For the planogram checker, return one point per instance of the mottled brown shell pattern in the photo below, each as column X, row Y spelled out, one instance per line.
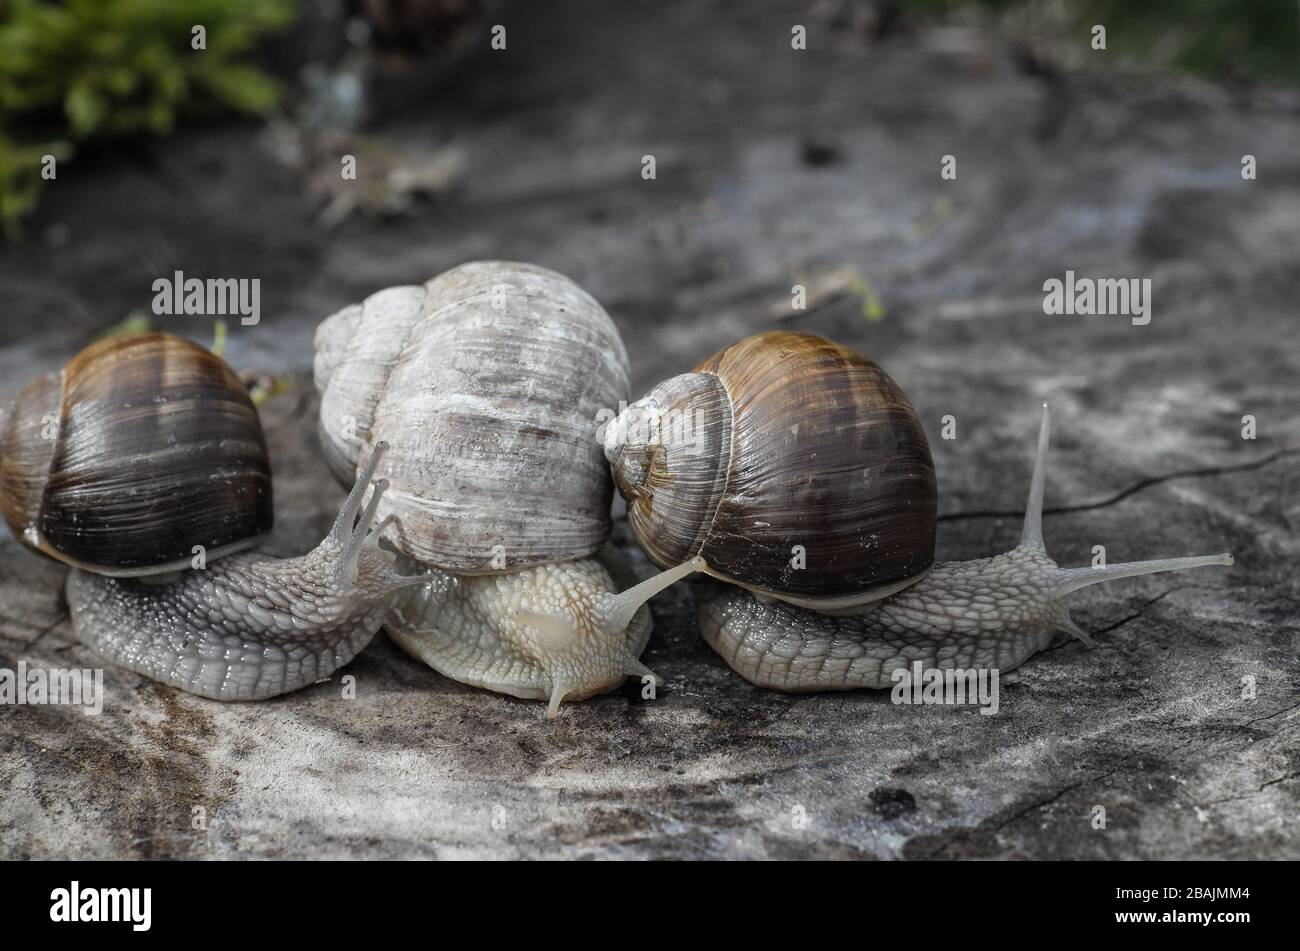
column 794, row 465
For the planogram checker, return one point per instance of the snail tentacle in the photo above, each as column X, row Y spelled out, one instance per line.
column 1031, row 535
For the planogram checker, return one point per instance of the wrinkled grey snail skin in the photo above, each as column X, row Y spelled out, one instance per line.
column 249, row 627
column 550, row 632
column 986, row 613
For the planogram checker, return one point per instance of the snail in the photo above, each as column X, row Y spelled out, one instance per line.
column 488, row 383
column 144, row 458
column 797, row 469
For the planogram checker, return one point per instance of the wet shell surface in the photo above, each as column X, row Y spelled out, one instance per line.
column 489, row 383
column 145, row 447
column 794, row 465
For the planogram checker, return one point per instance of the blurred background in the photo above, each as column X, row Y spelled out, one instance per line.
column 518, row 129
column 490, row 128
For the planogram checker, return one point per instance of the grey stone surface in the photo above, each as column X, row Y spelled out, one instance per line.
column 1108, row 176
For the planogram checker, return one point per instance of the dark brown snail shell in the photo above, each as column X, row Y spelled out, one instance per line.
column 782, row 440
column 143, row 447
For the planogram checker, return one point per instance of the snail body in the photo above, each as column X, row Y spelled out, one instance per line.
column 487, row 382
column 156, row 463
column 795, row 632
column 248, row 627
column 548, row 632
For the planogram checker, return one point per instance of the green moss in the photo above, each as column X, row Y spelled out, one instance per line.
column 20, row 178
column 78, row 69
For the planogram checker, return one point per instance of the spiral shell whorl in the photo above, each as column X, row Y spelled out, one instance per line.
column 810, row 478
column 331, row 341
column 356, row 350
column 489, row 383
column 669, row 453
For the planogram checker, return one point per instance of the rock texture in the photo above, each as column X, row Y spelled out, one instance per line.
column 772, row 166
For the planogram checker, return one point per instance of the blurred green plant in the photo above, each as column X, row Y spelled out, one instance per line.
column 20, row 178
column 873, row 311
column 136, row 322
column 80, row 69
column 1256, row 40
column 926, row 224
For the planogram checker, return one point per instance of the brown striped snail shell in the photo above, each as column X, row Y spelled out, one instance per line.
column 143, row 447
column 145, row 457
column 795, row 466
